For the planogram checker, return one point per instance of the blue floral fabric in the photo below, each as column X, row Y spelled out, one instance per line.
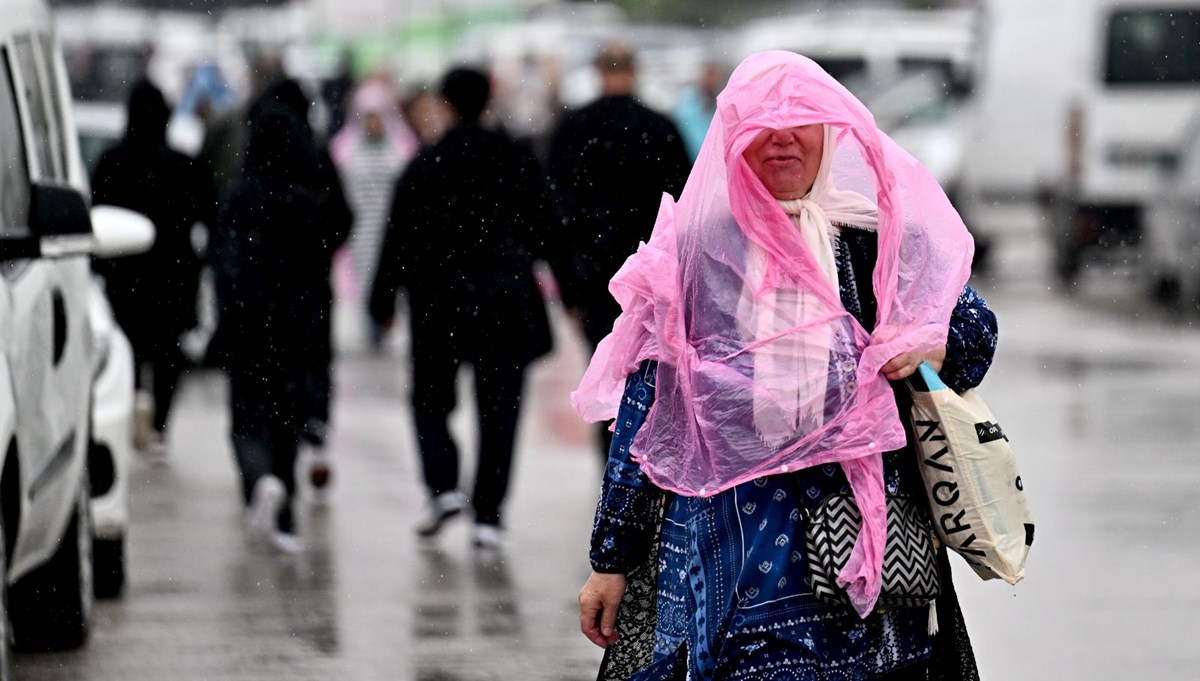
column 732, row 594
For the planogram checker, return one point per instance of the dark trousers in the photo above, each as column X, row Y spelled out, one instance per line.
column 318, row 383
column 498, row 387
column 266, row 411
column 165, row 362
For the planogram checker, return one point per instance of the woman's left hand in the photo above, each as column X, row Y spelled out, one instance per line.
column 905, row 364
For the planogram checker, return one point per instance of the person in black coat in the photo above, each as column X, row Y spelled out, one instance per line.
column 286, row 94
column 153, row 295
column 610, row 163
column 272, row 266
column 469, row 216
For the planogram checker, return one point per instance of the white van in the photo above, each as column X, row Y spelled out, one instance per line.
column 47, row 355
column 869, row 48
column 1140, row 84
column 1083, row 103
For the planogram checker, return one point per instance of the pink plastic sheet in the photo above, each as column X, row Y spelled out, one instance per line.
column 762, row 371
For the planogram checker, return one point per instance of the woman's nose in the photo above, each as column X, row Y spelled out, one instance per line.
column 780, row 137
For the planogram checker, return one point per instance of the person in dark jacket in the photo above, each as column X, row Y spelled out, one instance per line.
column 469, row 216
column 337, row 218
column 610, row 163
column 153, row 295
column 275, row 236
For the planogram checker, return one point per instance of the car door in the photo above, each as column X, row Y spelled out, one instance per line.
column 49, row 337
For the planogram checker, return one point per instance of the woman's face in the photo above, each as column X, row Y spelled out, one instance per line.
column 786, row 161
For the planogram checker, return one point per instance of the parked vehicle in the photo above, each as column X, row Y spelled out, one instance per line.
column 110, row 448
column 870, row 46
column 1141, row 84
column 1080, row 105
column 1172, row 227
column 47, row 353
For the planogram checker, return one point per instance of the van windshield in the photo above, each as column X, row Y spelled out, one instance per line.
column 1148, row 46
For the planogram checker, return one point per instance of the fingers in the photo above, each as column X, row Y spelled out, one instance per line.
column 608, row 622
column 598, row 603
column 906, row 364
column 901, row 366
column 589, row 619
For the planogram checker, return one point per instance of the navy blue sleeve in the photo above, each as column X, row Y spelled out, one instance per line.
column 971, row 343
column 627, row 514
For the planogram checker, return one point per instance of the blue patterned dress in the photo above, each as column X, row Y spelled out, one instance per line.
column 732, row 595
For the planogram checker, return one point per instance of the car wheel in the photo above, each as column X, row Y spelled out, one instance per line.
column 108, row 563
column 50, row 608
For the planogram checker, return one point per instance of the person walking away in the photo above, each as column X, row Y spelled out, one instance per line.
column 337, row 218
column 610, row 163
column 757, row 369
column 370, row 152
column 153, row 295
column 222, row 155
column 469, row 216
column 273, row 235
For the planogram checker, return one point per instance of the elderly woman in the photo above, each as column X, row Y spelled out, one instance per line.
column 749, row 377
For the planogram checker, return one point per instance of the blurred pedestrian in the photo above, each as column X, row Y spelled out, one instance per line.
column 750, row 371
column 696, row 107
column 370, row 152
column 153, row 295
column 224, row 146
column 610, row 163
column 469, row 217
column 428, row 115
column 336, row 91
column 313, row 280
column 275, row 235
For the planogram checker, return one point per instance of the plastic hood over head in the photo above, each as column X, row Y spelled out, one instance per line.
column 762, row 370
column 376, row 97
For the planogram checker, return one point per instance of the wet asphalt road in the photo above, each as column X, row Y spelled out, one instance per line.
column 1098, row 394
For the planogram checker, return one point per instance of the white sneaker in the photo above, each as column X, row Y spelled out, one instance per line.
column 265, row 502
column 155, row 446
column 489, row 537
column 440, row 509
column 286, row 542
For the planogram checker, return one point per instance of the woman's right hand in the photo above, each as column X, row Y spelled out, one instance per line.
column 598, row 603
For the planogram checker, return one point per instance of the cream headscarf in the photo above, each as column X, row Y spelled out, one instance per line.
column 781, row 412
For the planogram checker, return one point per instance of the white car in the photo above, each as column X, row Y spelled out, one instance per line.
column 47, row 351
column 111, row 446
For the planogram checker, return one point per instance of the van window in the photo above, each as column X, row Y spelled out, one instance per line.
column 14, row 179
column 1148, row 46
column 43, row 149
column 842, row 68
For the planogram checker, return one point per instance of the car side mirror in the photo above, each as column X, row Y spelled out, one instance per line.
column 60, row 225
column 56, row 210
column 120, row 231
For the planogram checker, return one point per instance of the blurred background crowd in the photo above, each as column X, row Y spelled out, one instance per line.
column 1073, row 115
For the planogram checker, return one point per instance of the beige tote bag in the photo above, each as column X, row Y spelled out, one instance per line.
column 976, row 494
